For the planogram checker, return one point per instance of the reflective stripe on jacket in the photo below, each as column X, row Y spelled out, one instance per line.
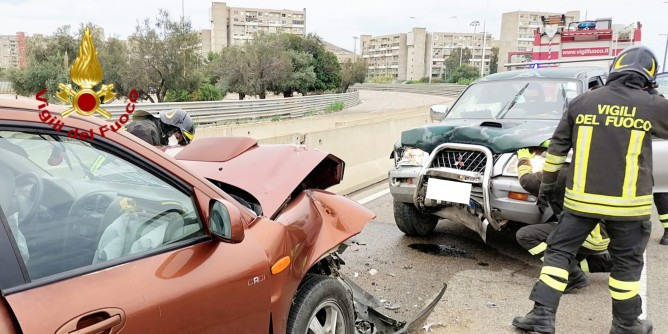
column 610, row 130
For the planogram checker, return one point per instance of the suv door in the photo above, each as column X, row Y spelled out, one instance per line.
column 107, row 241
column 660, row 146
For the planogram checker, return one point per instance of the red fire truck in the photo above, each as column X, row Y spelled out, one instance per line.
column 593, row 42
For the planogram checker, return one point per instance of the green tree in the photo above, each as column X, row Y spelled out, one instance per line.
column 233, row 69
column 494, row 60
column 456, row 58
column 352, row 73
column 464, row 74
column 49, row 60
column 325, row 65
column 302, row 76
column 115, row 62
column 164, row 56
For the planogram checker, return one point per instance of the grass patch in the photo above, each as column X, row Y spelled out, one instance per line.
column 311, row 113
column 276, row 118
column 334, row 107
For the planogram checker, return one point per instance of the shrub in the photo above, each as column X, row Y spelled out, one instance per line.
column 334, row 107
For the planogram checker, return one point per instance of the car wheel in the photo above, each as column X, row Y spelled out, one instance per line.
column 322, row 305
column 413, row 222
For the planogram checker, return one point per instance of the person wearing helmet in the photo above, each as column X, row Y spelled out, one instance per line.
column 156, row 129
column 591, row 257
column 610, row 130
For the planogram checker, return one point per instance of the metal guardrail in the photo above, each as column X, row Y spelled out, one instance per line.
column 209, row 112
column 6, row 87
column 449, row 90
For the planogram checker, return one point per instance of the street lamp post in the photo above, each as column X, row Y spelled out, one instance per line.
column 475, row 25
column 484, row 41
column 355, row 48
column 665, row 53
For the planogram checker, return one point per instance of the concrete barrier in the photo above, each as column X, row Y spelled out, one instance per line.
column 363, row 141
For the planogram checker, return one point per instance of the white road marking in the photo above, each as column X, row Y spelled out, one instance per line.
column 643, row 286
column 375, row 196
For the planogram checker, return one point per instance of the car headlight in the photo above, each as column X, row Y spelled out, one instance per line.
column 510, row 169
column 413, row 157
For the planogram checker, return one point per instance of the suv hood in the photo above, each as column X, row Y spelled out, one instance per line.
column 499, row 135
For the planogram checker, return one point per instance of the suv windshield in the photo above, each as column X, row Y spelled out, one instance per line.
column 519, row 99
column 662, row 81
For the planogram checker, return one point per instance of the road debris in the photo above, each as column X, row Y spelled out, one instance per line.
column 373, row 272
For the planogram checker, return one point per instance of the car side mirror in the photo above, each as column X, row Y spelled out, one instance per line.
column 437, row 112
column 225, row 221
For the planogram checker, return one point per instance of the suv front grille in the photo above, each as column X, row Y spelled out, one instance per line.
column 471, row 161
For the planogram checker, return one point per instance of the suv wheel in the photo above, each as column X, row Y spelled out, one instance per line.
column 322, row 305
column 413, row 222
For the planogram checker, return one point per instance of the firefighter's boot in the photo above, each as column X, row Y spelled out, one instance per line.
column 540, row 319
column 664, row 238
column 636, row 326
column 576, row 280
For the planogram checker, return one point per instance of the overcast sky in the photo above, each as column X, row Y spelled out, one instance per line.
column 337, row 21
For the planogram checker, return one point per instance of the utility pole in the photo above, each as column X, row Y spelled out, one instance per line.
column 475, row 25
column 355, row 49
column 665, row 52
column 484, row 41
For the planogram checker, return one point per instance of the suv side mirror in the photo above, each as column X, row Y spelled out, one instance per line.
column 225, row 221
column 437, row 112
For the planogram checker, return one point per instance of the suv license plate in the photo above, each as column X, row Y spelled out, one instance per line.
column 449, row 191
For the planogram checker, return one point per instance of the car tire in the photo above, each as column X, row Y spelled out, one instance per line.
column 413, row 222
column 318, row 299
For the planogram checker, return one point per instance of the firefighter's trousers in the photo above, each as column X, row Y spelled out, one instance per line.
column 628, row 240
column 661, row 202
column 533, row 238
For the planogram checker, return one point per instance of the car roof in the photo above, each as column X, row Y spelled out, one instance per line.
column 550, row 73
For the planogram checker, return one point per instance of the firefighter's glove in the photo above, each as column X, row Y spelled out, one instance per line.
column 524, row 153
column 548, row 195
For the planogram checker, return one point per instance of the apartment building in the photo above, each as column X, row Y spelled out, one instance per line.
column 406, row 56
column 443, row 43
column 517, row 32
column 231, row 26
column 13, row 50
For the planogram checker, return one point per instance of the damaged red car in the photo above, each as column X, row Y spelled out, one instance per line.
column 111, row 235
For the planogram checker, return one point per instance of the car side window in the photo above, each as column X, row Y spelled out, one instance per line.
column 71, row 205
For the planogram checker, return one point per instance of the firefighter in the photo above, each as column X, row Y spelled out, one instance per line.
column 592, row 256
column 157, row 129
column 610, row 130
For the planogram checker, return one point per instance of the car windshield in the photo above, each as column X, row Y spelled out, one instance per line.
column 517, row 99
column 662, row 81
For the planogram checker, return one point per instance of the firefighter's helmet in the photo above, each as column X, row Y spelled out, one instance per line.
column 181, row 120
column 639, row 59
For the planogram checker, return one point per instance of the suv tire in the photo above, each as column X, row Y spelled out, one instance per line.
column 413, row 222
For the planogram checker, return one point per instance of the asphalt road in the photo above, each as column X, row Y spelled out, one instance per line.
column 488, row 284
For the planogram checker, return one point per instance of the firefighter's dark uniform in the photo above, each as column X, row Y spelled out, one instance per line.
column 591, row 257
column 610, row 130
column 661, row 202
column 148, row 129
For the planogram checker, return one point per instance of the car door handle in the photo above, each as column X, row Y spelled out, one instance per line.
column 108, row 320
column 100, row 326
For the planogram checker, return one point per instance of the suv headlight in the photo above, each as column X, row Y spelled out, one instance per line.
column 413, row 157
column 510, row 169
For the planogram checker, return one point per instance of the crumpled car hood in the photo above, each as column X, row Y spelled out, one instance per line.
column 271, row 173
column 499, row 135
